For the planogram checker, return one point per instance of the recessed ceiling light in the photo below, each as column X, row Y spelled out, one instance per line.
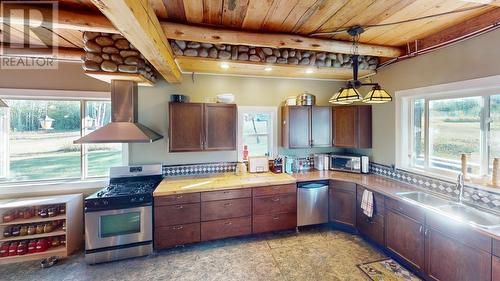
column 224, row 65
column 268, row 68
column 309, row 70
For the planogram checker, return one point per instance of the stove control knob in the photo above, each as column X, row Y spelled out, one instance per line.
column 105, row 202
column 96, row 203
column 132, row 199
column 141, row 199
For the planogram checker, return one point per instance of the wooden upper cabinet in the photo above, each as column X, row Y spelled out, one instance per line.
column 220, row 126
column 306, row 126
column 352, row 126
column 185, row 127
column 321, row 126
column 198, row 126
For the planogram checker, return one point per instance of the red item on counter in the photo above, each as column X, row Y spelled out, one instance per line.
column 245, row 152
column 42, row 245
column 13, row 249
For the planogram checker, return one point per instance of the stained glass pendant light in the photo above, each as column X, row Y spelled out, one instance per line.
column 377, row 95
column 350, row 94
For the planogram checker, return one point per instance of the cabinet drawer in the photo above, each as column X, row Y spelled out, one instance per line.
column 182, row 198
column 226, row 194
column 224, row 209
column 413, row 212
column 343, row 185
column 372, row 227
column 226, row 228
column 266, row 223
column 378, row 200
column 274, row 189
column 496, row 247
column 177, row 214
column 170, row 236
column 460, row 232
column 273, row 204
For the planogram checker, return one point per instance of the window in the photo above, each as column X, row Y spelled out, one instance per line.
column 256, row 127
column 39, row 135
column 437, row 124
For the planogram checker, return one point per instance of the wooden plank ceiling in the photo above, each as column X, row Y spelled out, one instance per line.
column 306, row 17
column 303, row 17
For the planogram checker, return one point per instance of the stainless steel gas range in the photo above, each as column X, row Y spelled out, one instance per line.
column 119, row 218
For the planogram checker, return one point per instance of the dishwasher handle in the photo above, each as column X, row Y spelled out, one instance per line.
column 313, row 185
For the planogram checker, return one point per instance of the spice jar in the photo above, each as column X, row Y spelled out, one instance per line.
column 23, row 231
column 13, row 249
column 64, row 225
column 31, row 230
column 39, row 229
column 56, row 224
column 63, row 240
column 47, row 228
column 43, row 213
column 7, row 232
column 32, row 247
column 51, row 212
column 56, row 242
column 28, row 213
column 8, row 217
column 22, row 248
column 4, row 250
column 16, row 230
column 62, row 209
column 41, row 245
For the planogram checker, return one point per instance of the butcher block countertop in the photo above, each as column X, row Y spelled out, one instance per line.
column 171, row 186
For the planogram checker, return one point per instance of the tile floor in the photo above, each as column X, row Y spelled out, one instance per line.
column 313, row 254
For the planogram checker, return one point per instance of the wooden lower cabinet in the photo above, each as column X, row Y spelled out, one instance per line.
column 177, row 214
column 449, row 260
column 373, row 227
column 275, row 204
column 495, row 269
column 226, row 228
column 342, row 203
column 274, row 222
column 171, row 236
column 405, row 237
column 224, row 209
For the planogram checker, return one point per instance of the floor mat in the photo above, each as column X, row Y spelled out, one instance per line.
column 387, row 270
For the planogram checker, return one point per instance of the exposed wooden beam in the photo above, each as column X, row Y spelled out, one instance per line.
column 66, row 19
column 458, row 32
column 136, row 20
column 225, row 36
column 66, row 54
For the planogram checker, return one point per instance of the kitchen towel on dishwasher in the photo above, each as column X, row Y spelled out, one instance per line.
column 367, row 203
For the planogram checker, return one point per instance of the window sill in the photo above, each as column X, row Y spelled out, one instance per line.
column 16, row 190
column 447, row 177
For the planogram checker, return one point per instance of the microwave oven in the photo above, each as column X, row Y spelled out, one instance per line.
column 350, row 163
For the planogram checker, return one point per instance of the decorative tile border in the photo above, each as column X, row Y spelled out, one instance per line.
column 198, row 169
column 471, row 194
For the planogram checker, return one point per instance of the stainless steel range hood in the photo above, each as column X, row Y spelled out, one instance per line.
column 124, row 127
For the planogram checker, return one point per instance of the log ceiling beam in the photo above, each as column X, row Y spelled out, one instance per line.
column 136, row 21
column 457, row 32
column 217, row 35
column 65, row 54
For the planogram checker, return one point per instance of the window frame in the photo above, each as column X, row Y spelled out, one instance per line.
column 272, row 136
column 63, row 95
column 481, row 87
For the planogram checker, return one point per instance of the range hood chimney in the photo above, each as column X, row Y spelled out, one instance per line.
column 124, row 127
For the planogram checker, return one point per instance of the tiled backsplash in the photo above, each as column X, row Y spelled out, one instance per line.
column 199, row 169
column 472, row 195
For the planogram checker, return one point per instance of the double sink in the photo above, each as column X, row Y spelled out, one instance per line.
column 453, row 210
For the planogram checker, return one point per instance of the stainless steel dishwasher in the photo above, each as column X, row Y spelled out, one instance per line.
column 312, row 202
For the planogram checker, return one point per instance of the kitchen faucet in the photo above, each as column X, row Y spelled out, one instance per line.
column 460, row 186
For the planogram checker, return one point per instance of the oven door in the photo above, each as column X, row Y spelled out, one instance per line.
column 110, row 228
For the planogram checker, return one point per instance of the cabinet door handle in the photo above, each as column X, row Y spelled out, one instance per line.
column 370, row 221
column 179, row 196
column 276, row 218
column 276, row 199
column 420, row 229
column 426, row 233
column 179, row 207
column 177, row 227
column 228, row 223
column 228, row 204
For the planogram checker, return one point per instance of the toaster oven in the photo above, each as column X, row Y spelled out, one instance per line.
column 350, row 163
